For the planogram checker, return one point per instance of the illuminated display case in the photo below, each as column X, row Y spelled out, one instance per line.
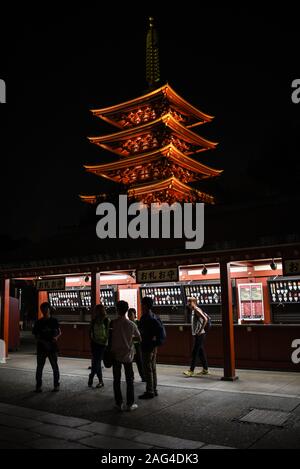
column 208, row 295
column 108, row 297
column 168, row 295
column 168, row 301
column 66, row 305
column 284, row 291
column 75, row 305
column 75, row 299
column 205, row 293
column 64, row 299
column 284, row 295
column 85, row 298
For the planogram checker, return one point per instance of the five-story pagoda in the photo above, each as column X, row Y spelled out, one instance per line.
column 155, row 143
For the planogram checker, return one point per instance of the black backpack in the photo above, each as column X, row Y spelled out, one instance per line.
column 162, row 334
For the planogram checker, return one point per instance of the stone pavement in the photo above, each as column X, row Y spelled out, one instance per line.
column 260, row 410
column 21, row 428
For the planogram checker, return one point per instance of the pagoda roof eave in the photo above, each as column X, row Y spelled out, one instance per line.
column 168, row 120
column 165, row 90
column 89, row 199
column 170, row 183
column 169, row 151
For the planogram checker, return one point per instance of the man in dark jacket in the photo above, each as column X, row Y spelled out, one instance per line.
column 149, row 329
column 46, row 331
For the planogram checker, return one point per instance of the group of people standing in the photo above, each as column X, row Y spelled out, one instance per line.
column 125, row 339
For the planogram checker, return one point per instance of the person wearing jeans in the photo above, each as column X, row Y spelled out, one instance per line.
column 46, row 331
column 198, row 323
column 149, row 360
column 122, row 348
column 99, row 339
column 129, row 376
column 149, row 328
column 41, row 360
column 199, row 352
column 137, row 345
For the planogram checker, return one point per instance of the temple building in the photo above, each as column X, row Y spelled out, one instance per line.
column 156, row 147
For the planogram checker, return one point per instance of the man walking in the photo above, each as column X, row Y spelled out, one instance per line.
column 198, row 323
column 46, row 331
column 122, row 348
column 150, row 332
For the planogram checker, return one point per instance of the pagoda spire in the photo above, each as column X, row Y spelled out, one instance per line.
column 152, row 57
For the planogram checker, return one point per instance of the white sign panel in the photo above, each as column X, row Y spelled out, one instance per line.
column 129, row 295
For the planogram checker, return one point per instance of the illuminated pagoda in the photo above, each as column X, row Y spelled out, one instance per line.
column 155, row 143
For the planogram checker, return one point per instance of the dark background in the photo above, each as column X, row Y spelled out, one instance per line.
column 234, row 63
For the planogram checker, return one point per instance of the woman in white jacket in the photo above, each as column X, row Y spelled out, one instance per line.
column 198, row 323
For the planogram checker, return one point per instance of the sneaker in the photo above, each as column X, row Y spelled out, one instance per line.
column 155, row 393
column 120, row 407
column 189, row 373
column 55, row 389
column 90, row 381
column 100, row 385
column 203, row 372
column 147, row 395
column 132, row 407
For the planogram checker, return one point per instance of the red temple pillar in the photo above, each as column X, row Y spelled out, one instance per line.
column 95, row 288
column 4, row 325
column 227, row 323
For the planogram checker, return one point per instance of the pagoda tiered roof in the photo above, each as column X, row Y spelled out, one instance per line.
column 155, row 142
column 162, row 162
column 164, row 130
column 169, row 190
column 149, row 107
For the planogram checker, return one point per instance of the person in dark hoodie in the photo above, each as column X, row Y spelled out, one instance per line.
column 150, row 331
column 46, row 331
column 137, row 345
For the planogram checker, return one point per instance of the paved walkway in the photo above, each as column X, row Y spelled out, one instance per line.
column 260, row 410
column 22, row 428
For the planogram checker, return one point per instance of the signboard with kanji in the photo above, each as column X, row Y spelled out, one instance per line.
column 51, row 284
column 291, row 267
column 157, row 275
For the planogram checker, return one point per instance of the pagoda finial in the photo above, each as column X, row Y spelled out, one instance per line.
column 152, row 56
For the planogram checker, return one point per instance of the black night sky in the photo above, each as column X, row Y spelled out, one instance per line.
column 234, row 63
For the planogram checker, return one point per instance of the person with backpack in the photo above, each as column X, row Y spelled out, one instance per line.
column 200, row 323
column 153, row 334
column 99, row 338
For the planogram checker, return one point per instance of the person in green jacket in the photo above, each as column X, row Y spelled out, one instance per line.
column 138, row 353
column 99, row 339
